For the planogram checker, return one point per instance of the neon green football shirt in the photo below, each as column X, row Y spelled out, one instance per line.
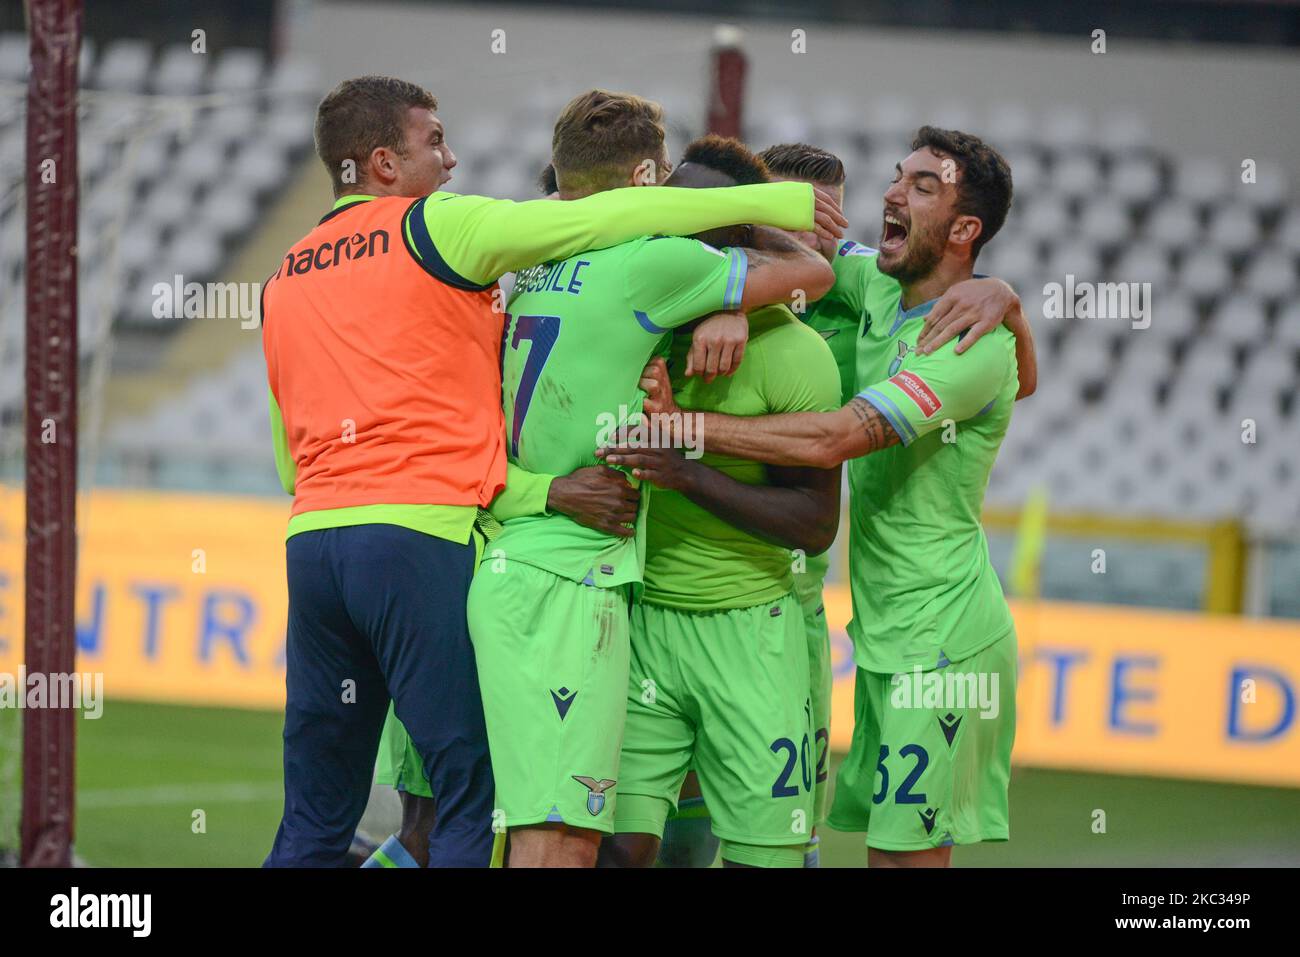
column 924, row 590
column 694, row 560
column 578, row 333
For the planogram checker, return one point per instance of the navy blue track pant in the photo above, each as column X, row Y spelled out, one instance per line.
column 378, row 611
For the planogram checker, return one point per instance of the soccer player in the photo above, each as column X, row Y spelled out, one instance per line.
column 719, row 674
column 922, row 436
column 382, row 346
column 838, row 317
column 594, row 501
column 548, row 609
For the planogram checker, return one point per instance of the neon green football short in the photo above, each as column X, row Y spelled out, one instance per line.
column 820, row 681
column 930, row 759
column 399, row 765
column 726, row 693
column 552, row 660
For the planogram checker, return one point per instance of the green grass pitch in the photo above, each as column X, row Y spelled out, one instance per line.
column 143, row 770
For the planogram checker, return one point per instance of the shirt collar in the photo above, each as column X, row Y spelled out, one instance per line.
column 904, row 314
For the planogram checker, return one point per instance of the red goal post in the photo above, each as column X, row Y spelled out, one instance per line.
column 54, row 30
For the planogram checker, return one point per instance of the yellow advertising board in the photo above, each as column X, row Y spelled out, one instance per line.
column 1137, row 691
column 181, row 598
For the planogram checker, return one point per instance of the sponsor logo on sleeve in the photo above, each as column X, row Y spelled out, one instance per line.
column 919, row 392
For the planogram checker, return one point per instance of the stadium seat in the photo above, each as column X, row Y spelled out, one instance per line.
column 1233, row 227
column 1174, row 316
column 1143, row 262
column 201, row 160
column 1241, row 320
column 228, row 213
column 890, row 117
column 1048, row 217
column 1067, row 129
column 1286, row 330
column 1010, row 125
column 1268, row 192
column 1205, row 272
column 1123, row 130
column 1270, row 369
column 1077, row 176
column 294, row 78
column 257, row 168
column 179, row 72
column 1136, row 179
column 292, row 128
column 1206, row 366
column 1077, row 257
column 124, row 66
column 1105, row 221
column 1270, row 273
column 13, row 57
column 1174, row 224
column 1201, row 179
column 1086, row 358
column 238, row 69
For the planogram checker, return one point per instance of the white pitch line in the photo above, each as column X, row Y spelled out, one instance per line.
column 192, row 794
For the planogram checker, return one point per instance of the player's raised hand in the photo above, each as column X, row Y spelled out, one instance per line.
column 974, row 307
column 718, row 345
column 598, row 497
column 828, row 218
column 658, row 388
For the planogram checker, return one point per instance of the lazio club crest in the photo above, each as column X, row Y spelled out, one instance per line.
column 903, row 350
column 595, row 792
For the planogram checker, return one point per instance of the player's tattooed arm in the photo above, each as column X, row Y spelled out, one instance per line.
column 974, row 307
column 820, row 440
column 876, row 432
column 812, row 439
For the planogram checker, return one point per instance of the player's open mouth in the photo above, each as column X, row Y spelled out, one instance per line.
column 894, row 234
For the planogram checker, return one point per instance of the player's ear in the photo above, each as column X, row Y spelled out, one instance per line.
column 645, row 174
column 965, row 230
column 383, row 165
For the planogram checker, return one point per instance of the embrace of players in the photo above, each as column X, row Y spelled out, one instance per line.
column 619, row 654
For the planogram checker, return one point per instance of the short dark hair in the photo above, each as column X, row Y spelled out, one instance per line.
column 546, row 180
column 728, row 156
column 600, row 136
column 984, row 189
column 801, row 161
column 359, row 116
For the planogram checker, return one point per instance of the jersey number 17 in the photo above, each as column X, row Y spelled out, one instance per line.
column 541, row 331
